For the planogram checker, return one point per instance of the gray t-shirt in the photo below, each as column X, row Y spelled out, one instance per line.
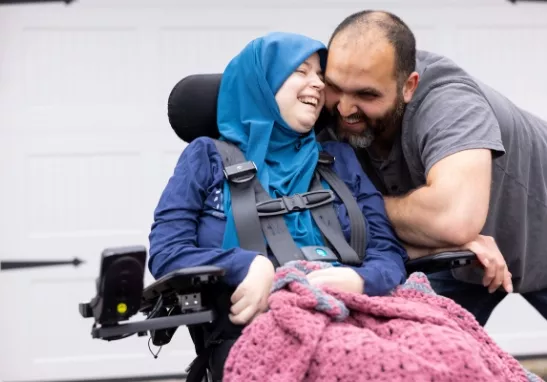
column 450, row 112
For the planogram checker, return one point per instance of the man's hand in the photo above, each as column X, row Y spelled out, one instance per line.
column 496, row 272
column 251, row 296
column 341, row 278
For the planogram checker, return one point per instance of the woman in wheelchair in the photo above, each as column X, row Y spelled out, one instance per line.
column 270, row 97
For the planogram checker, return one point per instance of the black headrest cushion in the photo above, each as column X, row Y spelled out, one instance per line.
column 192, row 106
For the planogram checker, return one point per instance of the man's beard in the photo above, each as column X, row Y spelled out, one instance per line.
column 374, row 128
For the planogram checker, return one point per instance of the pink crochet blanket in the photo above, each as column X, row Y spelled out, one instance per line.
column 312, row 334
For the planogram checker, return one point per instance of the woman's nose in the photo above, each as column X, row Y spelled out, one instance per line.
column 317, row 83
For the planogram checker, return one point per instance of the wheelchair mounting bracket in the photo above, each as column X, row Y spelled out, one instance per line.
column 119, row 331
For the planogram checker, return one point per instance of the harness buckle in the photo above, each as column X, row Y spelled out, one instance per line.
column 325, row 158
column 317, row 253
column 240, row 173
column 297, row 202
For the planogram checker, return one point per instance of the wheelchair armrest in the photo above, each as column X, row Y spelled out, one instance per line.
column 180, row 286
column 179, row 298
column 441, row 261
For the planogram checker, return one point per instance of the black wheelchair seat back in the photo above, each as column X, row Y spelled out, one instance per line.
column 192, row 106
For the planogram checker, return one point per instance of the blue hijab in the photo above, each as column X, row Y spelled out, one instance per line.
column 249, row 117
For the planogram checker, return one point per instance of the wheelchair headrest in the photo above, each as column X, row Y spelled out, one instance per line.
column 192, row 106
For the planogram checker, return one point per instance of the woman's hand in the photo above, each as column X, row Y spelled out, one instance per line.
column 251, row 296
column 341, row 278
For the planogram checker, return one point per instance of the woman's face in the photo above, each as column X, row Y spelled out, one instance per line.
column 301, row 97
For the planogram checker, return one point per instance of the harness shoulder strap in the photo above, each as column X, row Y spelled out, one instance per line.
column 357, row 221
column 240, row 175
column 246, row 191
column 327, row 221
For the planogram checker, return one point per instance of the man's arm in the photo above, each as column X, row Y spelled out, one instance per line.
column 451, row 208
column 452, row 137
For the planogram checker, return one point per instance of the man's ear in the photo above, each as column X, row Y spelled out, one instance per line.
column 410, row 86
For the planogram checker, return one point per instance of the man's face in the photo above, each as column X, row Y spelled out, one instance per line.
column 362, row 92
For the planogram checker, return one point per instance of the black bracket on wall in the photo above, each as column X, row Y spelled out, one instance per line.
column 34, row 1
column 12, row 265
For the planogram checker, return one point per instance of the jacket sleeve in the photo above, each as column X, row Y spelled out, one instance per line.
column 383, row 265
column 174, row 233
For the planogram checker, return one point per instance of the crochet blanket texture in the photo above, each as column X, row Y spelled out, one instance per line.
column 320, row 334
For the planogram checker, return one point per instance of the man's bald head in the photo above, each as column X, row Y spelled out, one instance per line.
column 371, row 30
column 370, row 77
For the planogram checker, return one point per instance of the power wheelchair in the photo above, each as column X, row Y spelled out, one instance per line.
column 192, row 297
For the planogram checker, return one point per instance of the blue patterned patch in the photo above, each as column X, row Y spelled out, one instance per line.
column 214, row 204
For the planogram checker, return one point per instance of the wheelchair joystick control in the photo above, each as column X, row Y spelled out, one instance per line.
column 119, row 286
column 181, row 297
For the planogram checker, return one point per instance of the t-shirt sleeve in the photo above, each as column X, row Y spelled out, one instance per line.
column 452, row 118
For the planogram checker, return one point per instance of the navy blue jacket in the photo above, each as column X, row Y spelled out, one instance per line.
column 189, row 221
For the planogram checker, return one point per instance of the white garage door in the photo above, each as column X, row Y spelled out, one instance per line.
column 86, row 149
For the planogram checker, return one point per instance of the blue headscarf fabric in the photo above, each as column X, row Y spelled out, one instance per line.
column 249, row 117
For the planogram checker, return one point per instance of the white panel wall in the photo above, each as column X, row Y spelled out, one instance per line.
column 86, row 148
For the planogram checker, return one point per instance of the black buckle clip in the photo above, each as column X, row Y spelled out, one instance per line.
column 312, row 253
column 298, row 202
column 325, row 158
column 241, row 172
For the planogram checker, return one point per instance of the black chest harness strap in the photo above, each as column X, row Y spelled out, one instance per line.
column 257, row 216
